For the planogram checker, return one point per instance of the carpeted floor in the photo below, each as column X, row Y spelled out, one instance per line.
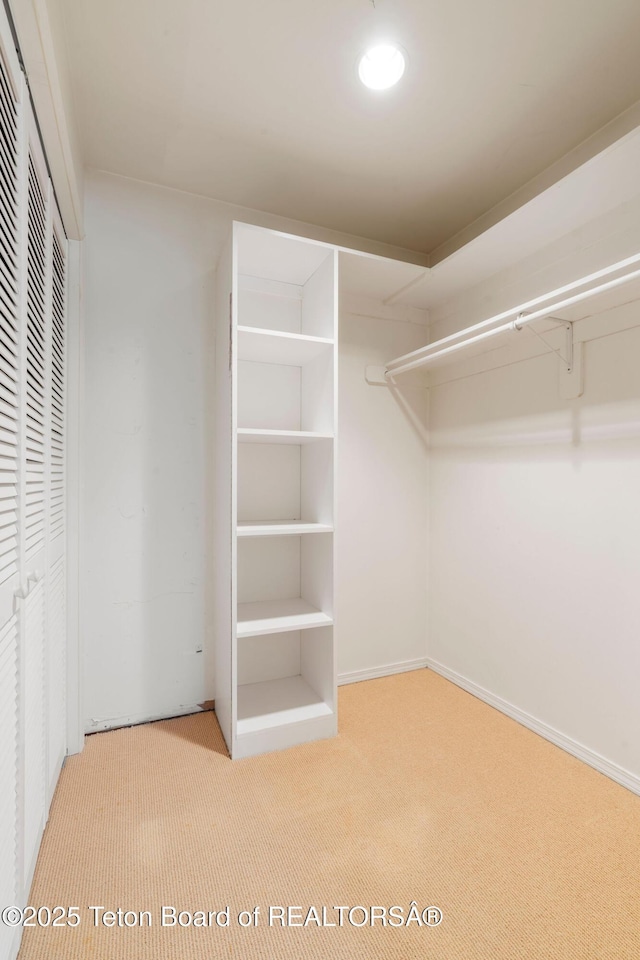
column 427, row 795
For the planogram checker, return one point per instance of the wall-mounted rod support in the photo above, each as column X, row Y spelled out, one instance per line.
column 467, row 337
column 567, row 356
column 569, row 348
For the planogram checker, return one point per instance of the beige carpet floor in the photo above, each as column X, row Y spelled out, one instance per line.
column 427, row 795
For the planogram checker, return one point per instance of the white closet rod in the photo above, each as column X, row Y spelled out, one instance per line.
column 468, row 336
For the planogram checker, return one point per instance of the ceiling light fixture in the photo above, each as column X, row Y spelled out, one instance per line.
column 381, row 66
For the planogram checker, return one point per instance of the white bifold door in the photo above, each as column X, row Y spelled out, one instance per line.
column 32, row 490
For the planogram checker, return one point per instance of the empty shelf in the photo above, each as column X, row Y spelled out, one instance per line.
column 281, row 528
column 271, row 346
column 279, row 616
column 273, row 703
column 245, row 435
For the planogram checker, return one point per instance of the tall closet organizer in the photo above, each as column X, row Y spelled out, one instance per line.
column 275, row 463
column 33, row 254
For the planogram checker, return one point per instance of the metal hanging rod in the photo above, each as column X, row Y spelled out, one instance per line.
column 479, row 331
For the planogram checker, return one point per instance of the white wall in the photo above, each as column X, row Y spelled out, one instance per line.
column 382, row 509
column 535, row 533
column 150, row 256
column 149, row 261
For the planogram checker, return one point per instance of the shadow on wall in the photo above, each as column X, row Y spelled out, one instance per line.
column 593, row 430
column 410, row 397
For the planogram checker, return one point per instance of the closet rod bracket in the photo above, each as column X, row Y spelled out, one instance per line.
column 377, row 376
column 571, row 365
column 572, row 368
column 565, row 356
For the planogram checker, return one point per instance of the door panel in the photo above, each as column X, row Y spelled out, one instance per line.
column 34, row 734
column 10, row 430
column 9, row 750
column 33, row 253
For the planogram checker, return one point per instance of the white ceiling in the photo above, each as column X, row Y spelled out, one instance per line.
column 258, row 103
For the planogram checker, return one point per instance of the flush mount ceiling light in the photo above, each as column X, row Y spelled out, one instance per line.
column 381, row 66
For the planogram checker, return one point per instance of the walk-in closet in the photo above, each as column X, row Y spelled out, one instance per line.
column 319, row 473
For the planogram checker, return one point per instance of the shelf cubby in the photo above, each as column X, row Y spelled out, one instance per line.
column 272, row 703
column 287, row 397
column 285, row 570
column 285, row 484
column 306, row 693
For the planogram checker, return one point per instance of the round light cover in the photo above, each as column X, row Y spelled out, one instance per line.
column 381, row 66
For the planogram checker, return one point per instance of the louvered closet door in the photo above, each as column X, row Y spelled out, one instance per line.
column 44, row 625
column 36, row 465
column 56, row 576
column 33, row 257
column 9, row 492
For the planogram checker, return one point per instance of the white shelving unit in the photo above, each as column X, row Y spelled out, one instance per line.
column 276, row 416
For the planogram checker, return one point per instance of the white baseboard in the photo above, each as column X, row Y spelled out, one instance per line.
column 402, row 666
column 96, row 725
column 624, row 777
